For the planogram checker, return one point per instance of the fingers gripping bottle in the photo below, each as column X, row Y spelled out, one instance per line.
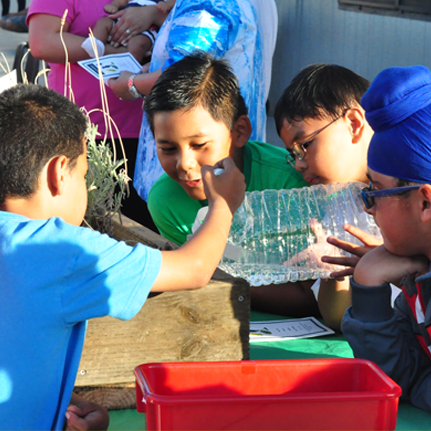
column 279, row 235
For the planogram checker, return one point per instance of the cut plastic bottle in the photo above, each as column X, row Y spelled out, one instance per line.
column 272, row 227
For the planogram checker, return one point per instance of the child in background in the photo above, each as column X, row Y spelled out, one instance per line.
column 139, row 45
column 197, row 115
column 398, row 108
column 321, row 122
column 55, row 274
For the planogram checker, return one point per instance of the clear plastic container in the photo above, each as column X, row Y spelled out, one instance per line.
column 272, row 226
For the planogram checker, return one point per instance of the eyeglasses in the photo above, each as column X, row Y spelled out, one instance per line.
column 299, row 150
column 368, row 195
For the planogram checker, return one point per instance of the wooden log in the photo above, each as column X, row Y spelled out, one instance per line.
column 208, row 324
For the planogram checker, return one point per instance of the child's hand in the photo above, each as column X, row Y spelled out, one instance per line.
column 145, row 68
column 165, row 6
column 370, row 242
column 119, row 85
column 133, row 21
column 162, row 7
column 379, row 266
column 84, row 415
column 313, row 253
column 110, row 8
column 229, row 186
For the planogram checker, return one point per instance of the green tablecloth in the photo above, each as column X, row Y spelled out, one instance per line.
column 333, row 346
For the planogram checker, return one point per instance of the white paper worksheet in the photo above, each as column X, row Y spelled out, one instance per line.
column 273, row 330
column 111, row 65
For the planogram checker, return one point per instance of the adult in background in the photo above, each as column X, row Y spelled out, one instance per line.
column 44, row 20
column 240, row 31
column 14, row 21
column 6, row 7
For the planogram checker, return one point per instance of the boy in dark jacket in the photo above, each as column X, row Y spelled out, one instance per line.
column 398, row 108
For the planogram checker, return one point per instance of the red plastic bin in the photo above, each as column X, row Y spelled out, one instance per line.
column 309, row 394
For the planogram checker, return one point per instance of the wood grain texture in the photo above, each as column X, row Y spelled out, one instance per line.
column 208, row 324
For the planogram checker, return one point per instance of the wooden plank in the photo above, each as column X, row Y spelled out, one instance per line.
column 132, row 232
column 208, row 324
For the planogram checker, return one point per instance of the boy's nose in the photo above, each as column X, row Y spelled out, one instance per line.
column 301, row 165
column 186, row 161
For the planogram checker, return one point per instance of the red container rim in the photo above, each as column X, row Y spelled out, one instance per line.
column 391, row 391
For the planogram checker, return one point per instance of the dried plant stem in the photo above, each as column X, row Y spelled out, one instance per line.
column 40, row 73
column 107, row 178
column 7, row 68
column 106, row 182
column 67, row 71
column 109, row 122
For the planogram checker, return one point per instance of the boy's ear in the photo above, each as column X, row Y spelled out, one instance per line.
column 57, row 169
column 425, row 196
column 356, row 117
column 241, row 131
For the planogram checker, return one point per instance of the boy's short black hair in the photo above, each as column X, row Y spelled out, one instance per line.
column 319, row 90
column 197, row 80
column 36, row 124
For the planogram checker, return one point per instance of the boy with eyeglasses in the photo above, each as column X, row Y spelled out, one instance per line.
column 323, row 126
column 398, row 108
column 321, row 122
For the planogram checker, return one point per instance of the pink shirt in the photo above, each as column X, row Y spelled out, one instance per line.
column 82, row 15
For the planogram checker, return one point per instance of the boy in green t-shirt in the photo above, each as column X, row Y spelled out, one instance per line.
column 197, row 115
column 207, row 119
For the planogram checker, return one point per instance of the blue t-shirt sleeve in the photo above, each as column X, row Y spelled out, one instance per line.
column 107, row 277
column 209, row 26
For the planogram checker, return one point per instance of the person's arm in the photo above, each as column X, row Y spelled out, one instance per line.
column 193, row 264
column 186, row 35
column 45, row 41
column 286, row 299
column 134, row 21
column 381, row 266
column 334, row 294
column 387, row 336
column 115, row 6
column 333, row 300
column 84, row 415
column 369, row 243
column 143, row 82
column 166, row 6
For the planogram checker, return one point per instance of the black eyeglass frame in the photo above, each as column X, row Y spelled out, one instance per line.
column 368, row 194
column 300, row 155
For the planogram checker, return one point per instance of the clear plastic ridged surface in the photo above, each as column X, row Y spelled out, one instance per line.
column 271, row 227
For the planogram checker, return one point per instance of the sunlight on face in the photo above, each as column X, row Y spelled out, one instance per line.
column 185, row 141
column 331, row 156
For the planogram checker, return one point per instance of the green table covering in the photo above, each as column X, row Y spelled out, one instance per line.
column 332, row 346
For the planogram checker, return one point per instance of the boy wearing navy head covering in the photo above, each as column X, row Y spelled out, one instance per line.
column 398, row 108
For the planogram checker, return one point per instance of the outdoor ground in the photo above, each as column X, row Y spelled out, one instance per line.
column 9, row 40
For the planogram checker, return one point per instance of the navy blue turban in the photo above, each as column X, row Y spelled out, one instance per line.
column 398, row 108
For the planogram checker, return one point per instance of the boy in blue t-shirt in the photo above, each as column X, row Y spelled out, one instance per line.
column 398, row 108
column 55, row 274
